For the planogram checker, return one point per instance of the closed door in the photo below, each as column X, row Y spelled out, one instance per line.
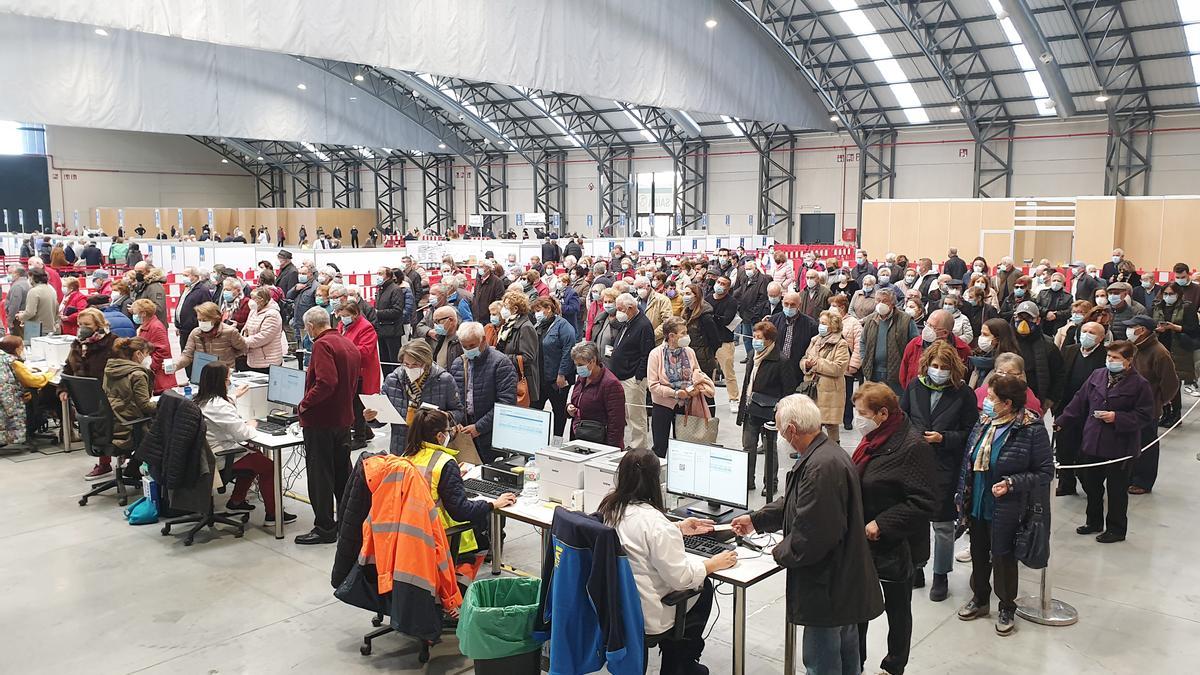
column 817, row 228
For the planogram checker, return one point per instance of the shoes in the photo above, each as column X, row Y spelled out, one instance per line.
column 132, row 471
column 1088, row 529
column 750, row 485
column 963, row 556
column 98, row 472
column 774, row 490
column 1064, row 491
column 239, row 506
column 940, row 588
column 973, row 610
column 848, row 426
column 1191, row 390
column 746, row 360
column 1168, row 421
column 1006, row 622
column 733, row 407
column 287, row 518
column 313, row 537
column 1109, row 537
column 918, row 578
column 1138, row 490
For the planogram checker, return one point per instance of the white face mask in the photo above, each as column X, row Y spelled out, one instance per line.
column 929, row 334
column 985, row 343
column 413, row 374
column 1102, row 301
column 505, row 313
column 206, row 326
column 146, row 362
column 865, row 425
column 883, row 309
column 684, row 341
column 622, row 317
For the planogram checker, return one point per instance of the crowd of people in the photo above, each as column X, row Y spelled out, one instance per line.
column 948, row 373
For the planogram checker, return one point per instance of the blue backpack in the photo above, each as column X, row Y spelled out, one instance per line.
column 142, row 512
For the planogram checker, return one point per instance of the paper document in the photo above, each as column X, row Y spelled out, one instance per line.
column 381, row 404
column 722, row 528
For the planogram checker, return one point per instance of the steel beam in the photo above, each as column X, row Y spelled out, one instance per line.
column 491, row 190
column 437, row 183
column 268, row 180
column 390, row 211
column 875, row 167
column 550, row 187
column 776, row 147
column 689, row 156
column 616, row 192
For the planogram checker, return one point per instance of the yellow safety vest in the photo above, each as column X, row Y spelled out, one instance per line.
column 430, row 461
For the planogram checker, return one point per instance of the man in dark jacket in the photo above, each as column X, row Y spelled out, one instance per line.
column 1055, row 303
column 551, row 251
column 574, row 247
column 831, row 582
column 286, row 274
column 488, row 289
column 303, row 296
column 1043, row 360
column 393, row 310
column 630, row 350
column 92, row 257
column 1153, row 362
column 197, row 292
column 795, row 329
column 1080, row 360
column 1085, row 281
column 326, row 415
column 490, row 378
column 954, row 265
column 753, row 305
column 724, row 310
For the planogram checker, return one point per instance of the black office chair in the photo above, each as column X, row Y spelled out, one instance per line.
column 209, row 516
column 95, row 420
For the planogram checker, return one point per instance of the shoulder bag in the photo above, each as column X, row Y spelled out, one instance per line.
column 522, row 384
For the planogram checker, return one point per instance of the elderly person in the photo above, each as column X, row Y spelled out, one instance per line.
column 89, row 354
column 419, row 380
column 1124, row 307
column 1005, row 278
column 626, row 357
column 150, row 329
column 1068, row 333
column 752, row 293
column 197, row 290
column 211, row 336
column 941, row 406
column 394, row 303
column 677, row 383
column 444, row 341
column 601, row 305
column 489, row 288
column 814, row 299
column 863, row 302
column 938, row 328
column 234, row 305
column 484, row 377
column 915, row 309
column 148, row 283
column 655, row 305
column 886, row 332
column 491, row 329
column 73, row 301
column 518, row 340
column 1152, row 361
column 558, row 373
column 597, row 401
column 1006, row 476
column 1080, row 360
column 263, row 332
column 18, row 292
column 824, row 366
column 851, row 332
column 1008, row 364
column 1178, row 331
column 1043, row 361
column 355, row 327
column 1055, row 304
column 768, row 379
column 831, row 583
column 41, row 304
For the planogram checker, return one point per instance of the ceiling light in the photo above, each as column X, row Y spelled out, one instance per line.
column 441, row 146
column 224, row 161
column 101, row 32
column 833, row 118
column 260, row 159
column 353, row 98
column 302, row 86
column 359, row 77
column 955, row 109
column 1102, row 98
column 299, row 155
column 711, row 23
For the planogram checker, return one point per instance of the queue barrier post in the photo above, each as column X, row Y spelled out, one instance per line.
column 1044, row 608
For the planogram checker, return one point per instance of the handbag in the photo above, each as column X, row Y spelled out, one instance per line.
column 696, row 429
column 808, row 387
column 522, row 384
column 762, row 406
column 142, row 512
column 1031, row 544
column 592, row 432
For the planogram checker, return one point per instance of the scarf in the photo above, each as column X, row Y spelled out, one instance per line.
column 873, row 441
column 413, row 391
column 935, row 387
column 1115, row 378
column 678, row 367
column 758, row 359
column 983, row 453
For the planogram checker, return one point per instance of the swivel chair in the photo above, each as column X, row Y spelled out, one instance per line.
column 95, row 419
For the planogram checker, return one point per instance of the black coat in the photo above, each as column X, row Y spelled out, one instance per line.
column 954, row 417
column 751, row 295
column 393, row 309
column 573, row 249
column 775, row 379
column 175, row 442
column 551, row 252
column 724, row 312
column 898, row 492
column 631, row 349
column 802, row 334
column 955, row 266
column 831, row 580
column 1087, row 287
column 199, row 294
column 287, row 277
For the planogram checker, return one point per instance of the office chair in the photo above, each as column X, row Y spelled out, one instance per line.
column 210, row 517
column 95, row 420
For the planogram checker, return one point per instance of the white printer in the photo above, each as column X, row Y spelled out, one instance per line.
column 599, row 477
column 562, row 468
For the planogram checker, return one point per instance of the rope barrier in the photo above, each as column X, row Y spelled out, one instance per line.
column 1147, row 446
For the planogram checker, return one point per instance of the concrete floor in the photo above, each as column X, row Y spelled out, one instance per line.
column 85, row 592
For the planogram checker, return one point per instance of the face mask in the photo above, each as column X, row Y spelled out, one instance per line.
column 720, row 289
column 1183, row 281
column 375, row 279
column 862, row 260
column 583, row 371
column 1056, row 285
column 1076, row 318
column 643, row 293
column 812, row 281
column 147, row 362
column 1087, row 340
column 213, row 278
column 978, row 269
column 865, row 425
column 989, row 408
column 688, row 298
column 938, row 375
column 985, row 344
column 320, row 301
column 85, row 333
column 472, row 353
column 774, row 299
column 1170, row 299
column 1023, row 327
column 1114, row 366
column 909, row 279
column 610, row 307
column 539, row 316
column 505, row 313
column 1095, row 274
column 981, row 285
column 413, row 374
column 1147, row 284
column 1003, row 268
column 684, row 341
column 822, row 330
column 335, row 305
column 303, row 278
column 928, row 334
column 346, row 320
column 621, row 317
column 868, row 289
column 1101, row 301
column 137, row 318
column 884, row 278
column 943, row 288
column 758, row 345
column 205, row 326
column 438, row 329
column 1119, row 301
column 1019, row 292
column 495, row 320
column 227, row 296
column 1116, row 259
column 751, row 272
column 882, row 309
column 790, row 312
column 911, row 311
column 671, row 293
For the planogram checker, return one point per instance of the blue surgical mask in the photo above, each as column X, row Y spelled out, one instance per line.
column 822, row 330
column 953, row 309
column 583, row 371
column 335, row 305
column 1019, row 292
column 346, row 320
column 759, row 345
column 302, row 278
column 320, row 301
column 137, row 318
column 227, row 295
column 472, row 353
column 539, row 316
column 789, row 312
column 989, row 408
column 494, row 320
column 1087, row 340
column 1114, row 366
column 1170, row 298
column 938, row 375
column 439, row 329
column 1076, row 318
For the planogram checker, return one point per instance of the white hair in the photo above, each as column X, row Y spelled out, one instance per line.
column 471, row 330
column 316, row 317
column 799, row 411
column 626, row 300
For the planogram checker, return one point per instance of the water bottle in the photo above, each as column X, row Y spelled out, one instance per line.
column 531, row 490
column 187, row 390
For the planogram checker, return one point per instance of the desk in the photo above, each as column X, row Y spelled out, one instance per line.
column 43, row 365
column 752, row 567
column 275, row 445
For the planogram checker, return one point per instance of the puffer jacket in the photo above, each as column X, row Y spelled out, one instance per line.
column 128, row 386
column 224, row 342
column 151, row 288
column 265, row 341
column 175, row 445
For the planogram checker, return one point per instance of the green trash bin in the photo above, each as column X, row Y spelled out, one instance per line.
column 495, row 625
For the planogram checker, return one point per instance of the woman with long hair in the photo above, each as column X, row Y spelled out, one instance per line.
column 225, row 430
column 654, row 546
column 996, row 337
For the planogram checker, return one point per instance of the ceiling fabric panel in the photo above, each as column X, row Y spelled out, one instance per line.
column 650, row 53
column 68, row 75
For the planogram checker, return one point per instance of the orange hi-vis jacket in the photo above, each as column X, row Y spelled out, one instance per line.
column 403, row 536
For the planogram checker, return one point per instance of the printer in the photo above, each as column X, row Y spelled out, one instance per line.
column 562, row 468
column 600, row 476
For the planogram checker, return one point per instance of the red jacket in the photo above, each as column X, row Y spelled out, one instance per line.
column 330, row 383
column 70, row 321
column 362, row 334
column 55, row 281
column 155, row 333
column 910, row 365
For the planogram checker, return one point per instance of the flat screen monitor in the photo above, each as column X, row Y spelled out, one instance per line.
column 199, row 360
column 517, row 429
column 32, row 329
column 285, row 386
column 709, row 472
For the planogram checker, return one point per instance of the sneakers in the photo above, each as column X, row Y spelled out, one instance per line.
column 973, row 610
column 239, row 506
column 733, row 407
column 1191, row 390
column 963, row 556
column 98, row 472
column 1006, row 622
column 918, row 578
column 940, row 588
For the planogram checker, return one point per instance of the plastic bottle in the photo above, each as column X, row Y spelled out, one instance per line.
column 531, row 490
column 187, row 390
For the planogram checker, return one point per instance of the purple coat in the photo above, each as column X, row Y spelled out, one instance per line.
column 603, row 402
column 1131, row 399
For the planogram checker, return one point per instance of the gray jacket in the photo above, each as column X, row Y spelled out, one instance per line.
column 15, row 302
column 439, row 390
column 41, row 305
column 493, row 379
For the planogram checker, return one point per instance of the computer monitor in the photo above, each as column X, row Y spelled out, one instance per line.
column 711, row 473
column 285, row 386
column 33, row 329
column 517, row 429
column 199, row 360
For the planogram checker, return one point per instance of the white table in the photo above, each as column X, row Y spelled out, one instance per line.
column 751, row 568
column 275, row 445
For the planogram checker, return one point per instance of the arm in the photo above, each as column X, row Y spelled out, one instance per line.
column 1041, row 462
column 654, row 380
column 388, row 311
column 614, row 408
column 268, row 332
column 647, row 345
column 1075, row 411
column 189, row 350
column 920, row 502
column 141, row 393
column 835, row 365
column 464, row 311
column 238, row 342
column 968, row 416
column 1132, row 421
column 27, row 378
column 566, row 367
column 454, row 497
column 505, row 375
column 324, row 380
column 679, row 570
column 820, row 516
column 224, row 416
column 452, row 404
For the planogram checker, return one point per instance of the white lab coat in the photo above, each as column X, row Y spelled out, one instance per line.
column 225, row 429
column 660, row 566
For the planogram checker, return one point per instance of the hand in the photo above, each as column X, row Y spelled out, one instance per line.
column 872, row 531
column 1107, row 416
column 504, row 500
column 560, row 382
column 241, row 391
column 721, row 561
column 431, row 334
column 933, row 437
column 453, row 612
column 62, row 396
column 852, row 371
column 253, row 424
column 695, row 525
column 742, row 526
column 571, row 409
column 1000, row 489
column 370, row 415
column 471, row 431
column 1050, row 316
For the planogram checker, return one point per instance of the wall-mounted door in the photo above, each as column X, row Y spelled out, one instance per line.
column 817, row 228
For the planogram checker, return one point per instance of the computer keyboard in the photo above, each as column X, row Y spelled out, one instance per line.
column 704, row 546
column 272, row 428
column 485, row 488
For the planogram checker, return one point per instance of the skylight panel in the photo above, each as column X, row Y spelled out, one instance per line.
column 889, row 68
column 1189, row 11
column 1037, row 88
column 731, row 125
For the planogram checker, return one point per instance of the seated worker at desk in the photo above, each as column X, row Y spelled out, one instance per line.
column 660, row 565
column 16, row 379
column 128, row 383
column 225, row 431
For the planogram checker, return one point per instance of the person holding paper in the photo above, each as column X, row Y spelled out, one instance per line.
column 418, row 380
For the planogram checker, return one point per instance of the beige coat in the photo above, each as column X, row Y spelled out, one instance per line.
column 658, row 309
column 226, row 344
column 830, row 356
column 41, row 305
column 851, row 331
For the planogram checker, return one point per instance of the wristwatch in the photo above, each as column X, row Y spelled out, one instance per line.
column 1008, row 480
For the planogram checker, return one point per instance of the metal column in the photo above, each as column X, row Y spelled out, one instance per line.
column 437, row 185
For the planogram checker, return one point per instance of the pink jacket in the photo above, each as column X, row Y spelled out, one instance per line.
column 660, row 387
column 265, row 342
column 851, row 330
